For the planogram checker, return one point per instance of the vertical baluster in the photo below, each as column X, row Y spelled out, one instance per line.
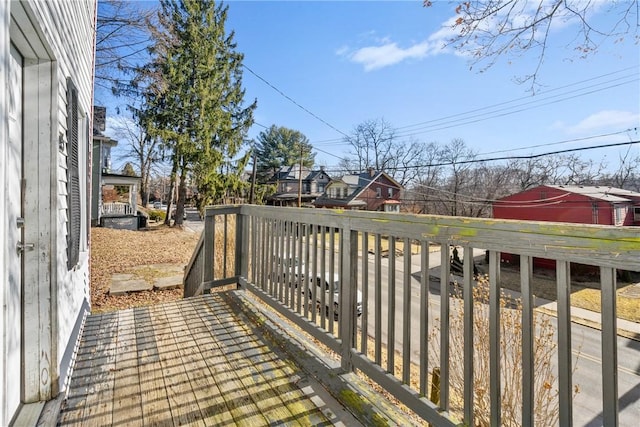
column 263, row 254
column 329, row 304
column 609, row 347
column 391, row 312
column 565, row 387
column 295, row 282
column 494, row 338
column 528, row 330
column 378, row 300
column 323, row 272
column 225, row 247
column 314, row 271
column 296, row 233
column 444, row 326
column 406, row 318
column 424, row 316
column 278, row 254
column 467, row 293
column 347, row 295
column 254, row 232
column 288, row 280
column 305, row 233
column 365, row 294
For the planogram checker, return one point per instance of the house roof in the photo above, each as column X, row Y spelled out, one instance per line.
column 607, row 194
column 292, row 173
column 361, row 181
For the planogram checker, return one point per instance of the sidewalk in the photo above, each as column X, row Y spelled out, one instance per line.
column 592, row 319
column 627, row 329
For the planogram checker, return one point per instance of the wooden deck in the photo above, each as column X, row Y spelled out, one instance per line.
column 192, row 362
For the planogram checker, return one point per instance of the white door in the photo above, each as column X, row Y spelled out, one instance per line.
column 12, row 334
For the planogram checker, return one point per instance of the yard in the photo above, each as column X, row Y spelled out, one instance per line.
column 121, row 251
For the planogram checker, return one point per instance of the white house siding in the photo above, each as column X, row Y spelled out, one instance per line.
column 5, row 403
column 56, row 39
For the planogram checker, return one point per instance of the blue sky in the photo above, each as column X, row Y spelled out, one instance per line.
column 351, row 61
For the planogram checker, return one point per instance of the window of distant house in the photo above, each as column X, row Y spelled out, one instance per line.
column 332, row 192
column 390, row 191
column 619, row 214
column 320, row 188
column 391, row 208
column 594, row 213
column 636, row 214
column 378, row 192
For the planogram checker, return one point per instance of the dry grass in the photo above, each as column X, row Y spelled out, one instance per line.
column 585, row 291
column 121, row 251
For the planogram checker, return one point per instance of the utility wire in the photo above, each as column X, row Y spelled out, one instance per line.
column 493, row 159
column 469, row 117
column 294, row 102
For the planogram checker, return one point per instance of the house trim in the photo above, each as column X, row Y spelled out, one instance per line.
column 40, row 280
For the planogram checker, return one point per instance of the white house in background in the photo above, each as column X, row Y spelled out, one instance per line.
column 121, row 213
column 46, row 79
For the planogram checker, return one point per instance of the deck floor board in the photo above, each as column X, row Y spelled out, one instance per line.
column 191, row 362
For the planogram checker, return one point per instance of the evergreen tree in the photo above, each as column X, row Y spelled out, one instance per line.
column 280, row 146
column 195, row 98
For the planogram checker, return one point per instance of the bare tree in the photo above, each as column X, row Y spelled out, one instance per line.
column 423, row 189
column 459, row 158
column 628, row 174
column 372, row 142
column 489, row 29
column 121, row 42
column 143, row 149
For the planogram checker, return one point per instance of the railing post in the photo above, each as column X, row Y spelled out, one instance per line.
column 348, row 293
column 242, row 246
column 209, row 248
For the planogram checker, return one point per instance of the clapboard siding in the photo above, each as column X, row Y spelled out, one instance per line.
column 69, row 28
column 56, row 39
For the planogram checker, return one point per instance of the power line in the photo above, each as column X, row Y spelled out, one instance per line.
column 294, row 102
column 469, row 117
column 493, row 159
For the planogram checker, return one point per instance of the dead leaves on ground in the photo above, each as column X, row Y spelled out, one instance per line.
column 118, row 251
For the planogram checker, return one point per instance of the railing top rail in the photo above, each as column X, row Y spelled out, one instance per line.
column 609, row 246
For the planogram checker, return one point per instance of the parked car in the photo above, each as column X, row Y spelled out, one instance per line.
column 331, row 288
column 286, row 270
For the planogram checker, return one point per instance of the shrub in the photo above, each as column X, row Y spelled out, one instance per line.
column 545, row 380
column 157, row 215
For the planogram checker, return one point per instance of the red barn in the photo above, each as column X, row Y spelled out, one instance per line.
column 570, row 203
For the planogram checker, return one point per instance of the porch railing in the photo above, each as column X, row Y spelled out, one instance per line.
column 274, row 252
column 116, row 209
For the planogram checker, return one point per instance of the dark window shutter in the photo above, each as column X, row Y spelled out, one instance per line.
column 73, row 178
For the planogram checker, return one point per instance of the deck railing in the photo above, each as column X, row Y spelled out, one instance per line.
column 273, row 252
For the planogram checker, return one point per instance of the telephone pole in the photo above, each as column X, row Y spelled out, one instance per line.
column 253, row 180
column 300, row 177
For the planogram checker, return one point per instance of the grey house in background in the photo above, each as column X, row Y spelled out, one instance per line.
column 110, row 208
column 287, row 180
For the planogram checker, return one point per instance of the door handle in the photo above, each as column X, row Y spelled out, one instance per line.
column 21, row 247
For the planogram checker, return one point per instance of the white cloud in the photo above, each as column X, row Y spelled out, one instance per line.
column 602, row 121
column 388, row 53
